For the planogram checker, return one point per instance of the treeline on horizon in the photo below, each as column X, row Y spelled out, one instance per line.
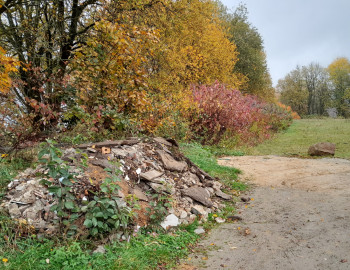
column 103, row 68
column 315, row 90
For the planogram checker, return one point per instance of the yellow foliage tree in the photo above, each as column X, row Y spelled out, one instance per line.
column 339, row 72
column 7, row 65
column 109, row 72
column 193, row 49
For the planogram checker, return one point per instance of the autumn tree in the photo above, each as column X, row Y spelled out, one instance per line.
column 339, row 72
column 293, row 91
column 110, row 73
column 7, row 65
column 193, row 48
column 252, row 57
column 43, row 36
column 306, row 90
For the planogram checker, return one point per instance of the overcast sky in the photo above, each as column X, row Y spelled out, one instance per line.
column 298, row 32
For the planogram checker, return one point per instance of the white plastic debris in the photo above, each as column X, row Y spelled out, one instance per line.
column 170, row 221
column 138, row 171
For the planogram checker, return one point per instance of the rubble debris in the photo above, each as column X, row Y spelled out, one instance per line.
column 147, row 167
column 170, row 221
column 105, row 150
column 109, row 143
column 100, row 249
column 199, row 230
column 170, row 163
column 198, row 194
column 152, row 176
column 223, row 195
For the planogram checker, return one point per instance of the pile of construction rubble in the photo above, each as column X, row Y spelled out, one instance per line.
column 146, row 167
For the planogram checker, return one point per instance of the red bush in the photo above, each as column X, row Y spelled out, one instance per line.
column 223, row 110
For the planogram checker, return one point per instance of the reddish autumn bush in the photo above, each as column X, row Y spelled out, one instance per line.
column 223, row 111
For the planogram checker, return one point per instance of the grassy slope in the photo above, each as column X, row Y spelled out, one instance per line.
column 303, row 133
column 143, row 252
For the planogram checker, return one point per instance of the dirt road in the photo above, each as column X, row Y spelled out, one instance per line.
column 298, row 217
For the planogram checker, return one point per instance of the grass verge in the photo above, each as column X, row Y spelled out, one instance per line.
column 295, row 141
column 206, row 160
column 144, row 251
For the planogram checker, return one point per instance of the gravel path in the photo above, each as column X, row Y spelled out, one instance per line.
column 298, row 217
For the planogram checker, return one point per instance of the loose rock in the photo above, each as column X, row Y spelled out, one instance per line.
column 322, row 149
column 199, row 194
column 170, row 221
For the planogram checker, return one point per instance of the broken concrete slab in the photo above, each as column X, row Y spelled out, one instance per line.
column 198, row 194
column 104, row 163
column 139, row 194
column 170, row 163
column 222, row 195
column 163, row 141
column 152, row 176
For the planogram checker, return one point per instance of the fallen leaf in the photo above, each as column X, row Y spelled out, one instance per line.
column 204, row 258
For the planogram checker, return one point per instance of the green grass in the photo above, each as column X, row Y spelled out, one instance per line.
column 295, row 141
column 206, row 160
column 145, row 251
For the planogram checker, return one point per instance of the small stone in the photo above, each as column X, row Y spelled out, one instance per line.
column 192, row 217
column 119, row 153
column 183, row 214
column 166, row 188
column 91, row 150
column 216, row 185
column 220, row 220
column 139, row 194
column 223, row 195
column 198, row 194
column 245, row 199
column 199, row 210
column 152, row 176
column 163, row 141
column 199, row 230
column 104, row 163
column 170, row 163
column 170, row 221
column 210, row 190
column 100, row 249
column 14, row 210
column 188, row 199
column 190, row 179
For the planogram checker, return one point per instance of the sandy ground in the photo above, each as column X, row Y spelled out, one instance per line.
column 298, row 217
